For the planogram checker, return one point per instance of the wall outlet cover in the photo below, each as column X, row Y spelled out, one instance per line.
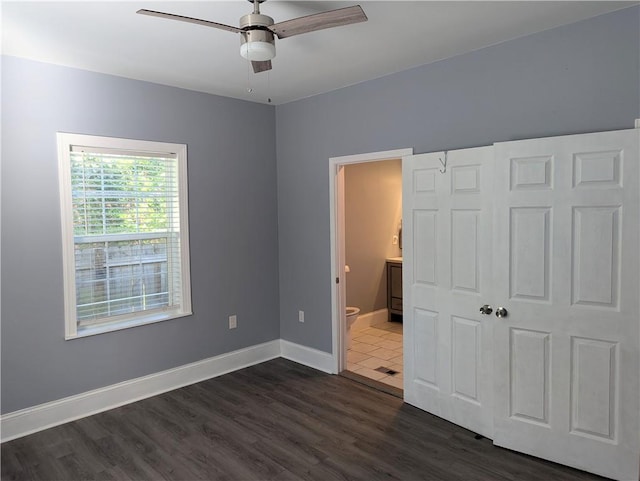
column 301, row 316
column 233, row 322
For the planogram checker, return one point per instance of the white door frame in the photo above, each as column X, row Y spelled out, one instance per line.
column 337, row 233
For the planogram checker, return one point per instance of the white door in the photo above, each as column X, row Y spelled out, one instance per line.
column 447, row 278
column 566, row 270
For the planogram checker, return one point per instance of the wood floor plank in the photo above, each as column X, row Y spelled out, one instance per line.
column 276, row 421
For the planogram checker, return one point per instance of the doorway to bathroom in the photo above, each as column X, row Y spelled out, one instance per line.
column 366, row 216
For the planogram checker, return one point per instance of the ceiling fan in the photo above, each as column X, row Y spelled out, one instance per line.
column 257, row 31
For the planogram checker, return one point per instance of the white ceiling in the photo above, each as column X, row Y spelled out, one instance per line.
column 109, row 37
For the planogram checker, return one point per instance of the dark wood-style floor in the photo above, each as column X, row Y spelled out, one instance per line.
column 275, row 421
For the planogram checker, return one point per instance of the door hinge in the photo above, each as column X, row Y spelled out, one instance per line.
column 337, row 280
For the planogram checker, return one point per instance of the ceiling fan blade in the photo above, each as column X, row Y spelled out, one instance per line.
column 261, row 66
column 182, row 18
column 319, row 21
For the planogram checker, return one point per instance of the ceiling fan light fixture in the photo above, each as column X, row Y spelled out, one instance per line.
column 258, row 51
column 258, row 42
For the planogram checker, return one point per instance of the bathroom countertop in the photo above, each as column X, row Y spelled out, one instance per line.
column 394, row 259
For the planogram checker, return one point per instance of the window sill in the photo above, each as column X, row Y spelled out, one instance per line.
column 87, row 331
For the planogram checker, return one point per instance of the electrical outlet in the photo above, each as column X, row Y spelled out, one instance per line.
column 394, row 240
column 301, row 316
column 233, row 322
column 637, row 123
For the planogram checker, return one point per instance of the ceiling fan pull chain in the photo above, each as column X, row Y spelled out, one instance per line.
column 249, row 88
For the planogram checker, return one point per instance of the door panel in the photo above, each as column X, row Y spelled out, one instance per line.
column 530, row 253
column 596, row 260
column 566, row 269
column 425, row 228
column 465, row 343
column 425, row 347
column 593, row 383
column 447, row 261
column 529, row 371
column 464, row 250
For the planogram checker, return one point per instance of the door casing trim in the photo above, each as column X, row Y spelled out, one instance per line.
column 336, row 221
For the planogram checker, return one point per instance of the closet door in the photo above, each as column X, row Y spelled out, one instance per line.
column 447, row 278
column 566, row 263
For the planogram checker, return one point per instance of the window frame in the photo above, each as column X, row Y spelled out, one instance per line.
column 66, row 142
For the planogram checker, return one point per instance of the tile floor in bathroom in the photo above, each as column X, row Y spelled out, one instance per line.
column 374, row 347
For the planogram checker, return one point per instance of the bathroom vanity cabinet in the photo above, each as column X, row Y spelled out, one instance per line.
column 394, row 289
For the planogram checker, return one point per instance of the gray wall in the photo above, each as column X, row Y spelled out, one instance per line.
column 578, row 78
column 246, row 233
column 233, row 228
column 372, row 209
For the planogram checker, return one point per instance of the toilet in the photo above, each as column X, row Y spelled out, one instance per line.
column 352, row 315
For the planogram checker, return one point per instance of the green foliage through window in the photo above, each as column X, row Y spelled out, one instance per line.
column 115, row 194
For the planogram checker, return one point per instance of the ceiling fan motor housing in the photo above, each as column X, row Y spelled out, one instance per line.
column 257, row 41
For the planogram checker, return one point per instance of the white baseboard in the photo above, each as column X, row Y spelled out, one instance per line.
column 320, row 360
column 371, row 319
column 30, row 420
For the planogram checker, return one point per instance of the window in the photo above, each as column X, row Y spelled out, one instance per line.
column 124, row 232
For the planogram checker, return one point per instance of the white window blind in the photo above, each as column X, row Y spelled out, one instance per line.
column 128, row 233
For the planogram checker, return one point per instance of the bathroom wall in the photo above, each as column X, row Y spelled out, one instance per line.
column 373, row 209
column 578, row 78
